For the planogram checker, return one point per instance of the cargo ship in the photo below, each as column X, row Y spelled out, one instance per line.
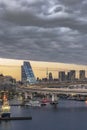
column 5, row 108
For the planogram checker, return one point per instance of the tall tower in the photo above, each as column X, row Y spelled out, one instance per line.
column 50, row 76
column 62, row 76
column 47, row 73
column 71, row 75
column 82, row 74
column 27, row 73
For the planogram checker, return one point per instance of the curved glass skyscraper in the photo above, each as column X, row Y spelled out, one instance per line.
column 27, row 73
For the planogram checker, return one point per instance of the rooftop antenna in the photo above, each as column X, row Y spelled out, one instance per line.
column 47, row 73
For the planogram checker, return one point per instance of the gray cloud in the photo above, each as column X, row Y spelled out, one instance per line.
column 44, row 30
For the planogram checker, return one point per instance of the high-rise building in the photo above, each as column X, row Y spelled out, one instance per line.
column 68, row 76
column 71, row 75
column 62, row 76
column 82, row 74
column 27, row 74
column 50, row 76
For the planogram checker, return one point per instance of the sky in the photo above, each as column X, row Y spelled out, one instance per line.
column 44, row 30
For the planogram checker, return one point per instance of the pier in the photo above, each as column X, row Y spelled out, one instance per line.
column 15, row 118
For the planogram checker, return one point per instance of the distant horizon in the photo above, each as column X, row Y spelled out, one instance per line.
column 21, row 60
column 12, row 67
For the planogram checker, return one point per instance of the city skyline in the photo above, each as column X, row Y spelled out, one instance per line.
column 13, row 67
column 43, row 30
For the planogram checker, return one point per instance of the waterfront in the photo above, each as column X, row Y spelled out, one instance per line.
column 69, row 115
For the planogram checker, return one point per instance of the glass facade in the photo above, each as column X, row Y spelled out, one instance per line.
column 27, row 73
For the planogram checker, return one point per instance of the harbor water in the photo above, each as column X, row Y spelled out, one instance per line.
column 68, row 115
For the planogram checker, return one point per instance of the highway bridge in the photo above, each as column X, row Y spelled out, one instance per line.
column 66, row 91
column 59, row 84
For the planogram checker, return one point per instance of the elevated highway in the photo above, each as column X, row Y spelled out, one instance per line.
column 60, row 84
column 74, row 91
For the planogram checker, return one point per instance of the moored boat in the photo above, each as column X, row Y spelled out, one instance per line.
column 45, row 101
column 33, row 103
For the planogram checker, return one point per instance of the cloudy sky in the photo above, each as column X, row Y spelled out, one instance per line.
column 44, row 30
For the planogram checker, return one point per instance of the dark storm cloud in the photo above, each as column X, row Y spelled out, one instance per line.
column 54, row 30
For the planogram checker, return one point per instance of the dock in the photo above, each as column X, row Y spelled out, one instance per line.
column 15, row 118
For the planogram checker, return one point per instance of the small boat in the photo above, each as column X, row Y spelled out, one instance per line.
column 33, row 103
column 5, row 108
column 45, row 102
